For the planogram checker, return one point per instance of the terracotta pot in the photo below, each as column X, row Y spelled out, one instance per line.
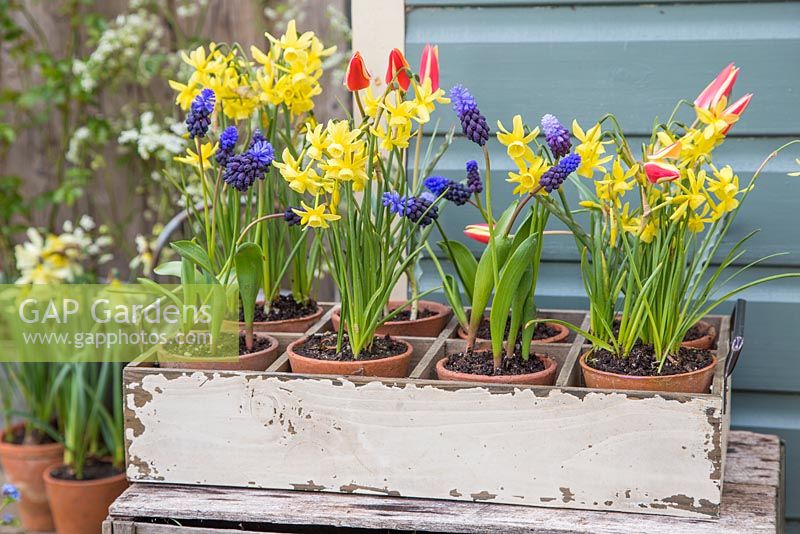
column 546, row 377
column 391, row 367
column 287, row 326
column 705, row 342
column 694, row 382
column 24, row 466
column 81, row 506
column 257, row 361
column 430, row 326
column 563, row 333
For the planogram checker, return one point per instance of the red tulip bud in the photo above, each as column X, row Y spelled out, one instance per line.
column 737, row 108
column 398, row 69
column 478, row 232
column 658, row 172
column 721, row 86
column 429, row 66
column 357, row 77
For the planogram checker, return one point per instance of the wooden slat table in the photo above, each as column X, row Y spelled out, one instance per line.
column 752, row 503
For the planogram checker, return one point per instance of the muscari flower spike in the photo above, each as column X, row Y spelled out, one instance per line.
column 474, row 182
column 473, row 123
column 242, row 169
column 199, row 118
column 455, row 192
column 8, row 519
column 436, row 184
column 10, row 491
column 416, row 209
column 227, row 142
column 555, row 176
column 556, row 135
column 291, row 218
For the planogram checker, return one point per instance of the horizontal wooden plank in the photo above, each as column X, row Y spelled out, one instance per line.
column 772, row 207
column 776, row 414
column 583, row 61
column 747, row 507
column 538, row 3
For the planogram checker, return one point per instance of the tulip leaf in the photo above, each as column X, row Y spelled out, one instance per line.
column 507, row 287
column 484, row 281
column 518, row 308
column 194, row 253
column 464, row 262
column 248, row 260
column 169, row 268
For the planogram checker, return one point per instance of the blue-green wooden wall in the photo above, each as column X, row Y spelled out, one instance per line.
column 636, row 59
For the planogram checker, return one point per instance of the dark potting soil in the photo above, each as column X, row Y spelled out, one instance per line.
column 642, row 361
column 93, row 470
column 282, row 308
column 695, row 332
column 480, row 363
column 202, row 351
column 540, row 331
column 405, row 315
column 323, row 347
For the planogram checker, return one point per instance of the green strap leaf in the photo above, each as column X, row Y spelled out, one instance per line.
column 194, row 253
column 507, row 288
column 464, row 262
column 248, row 261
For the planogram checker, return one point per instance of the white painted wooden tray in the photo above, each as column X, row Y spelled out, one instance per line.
column 564, row 446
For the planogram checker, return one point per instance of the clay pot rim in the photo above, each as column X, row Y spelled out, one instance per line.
column 19, row 449
column 710, row 335
column 273, row 344
column 402, row 355
column 500, row 379
column 313, row 317
column 53, row 481
column 443, row 311
column 585, row 366
column 564, row 331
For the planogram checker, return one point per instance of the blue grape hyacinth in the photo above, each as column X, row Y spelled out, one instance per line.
column 416, row 209
column 199, row 118
column 291, row 218
column 555, row 176
column 474, row 182
column 473, row 123
column 243, row 169
column 556, row 135
column 227, row 143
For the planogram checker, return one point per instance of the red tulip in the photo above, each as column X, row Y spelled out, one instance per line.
column 478, row 232
column 721, row 86
column 429, row 66
column 357, row 77
column 737, row 108
column 658, row 172
column 398, row 69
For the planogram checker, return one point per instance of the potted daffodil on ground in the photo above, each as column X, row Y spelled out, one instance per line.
column 372, row 214
column 652, row 257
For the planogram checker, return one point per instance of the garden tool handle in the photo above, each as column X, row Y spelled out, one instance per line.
column 737, row 336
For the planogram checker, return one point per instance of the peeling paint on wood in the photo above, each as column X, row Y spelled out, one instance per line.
column 546, row 446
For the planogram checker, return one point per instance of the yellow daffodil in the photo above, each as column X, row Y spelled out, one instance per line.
column 527, row 179
column 400, row 113
column 692, row 197
column 516, row 141
column 186, row 93
column 590, row 149
column 371, row 102
column 425, row 100
column 298, row 178
column 697, row 221
column 616, row 183
column 350, row 167
column 200, row 61
column 315, row 217
column 341, row 137
column 718, row 119
column 318, row 142
column 191, row 158
column 725, row 188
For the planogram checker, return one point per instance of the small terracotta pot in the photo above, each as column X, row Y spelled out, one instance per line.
column 545, row 377
column 391, row 367
column 563, row 333
column 705, row 342
column 81, row 506
column 257, row 361
column 694, row 382
column 24, row 466
column 297, row 325
column 430, row 326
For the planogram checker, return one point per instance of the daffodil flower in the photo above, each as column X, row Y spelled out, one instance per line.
column 315, row 217
column 590, row 149
column 191, row 158
column 527, row 179
column 298, row 178
column 693, row 196
column 425, row 100
column 517, row 141
column 616, row 183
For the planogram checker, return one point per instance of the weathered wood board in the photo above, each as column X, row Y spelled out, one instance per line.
column 751, row 503
column 564, row 446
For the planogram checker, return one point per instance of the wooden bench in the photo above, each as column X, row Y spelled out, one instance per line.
column 752, row 503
